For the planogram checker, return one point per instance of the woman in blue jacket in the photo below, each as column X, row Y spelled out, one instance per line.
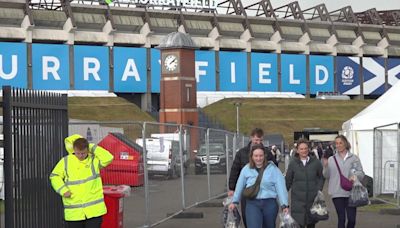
column 261, row 211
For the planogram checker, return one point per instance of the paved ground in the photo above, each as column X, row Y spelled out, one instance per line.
column 212, row 218
column 165, row 197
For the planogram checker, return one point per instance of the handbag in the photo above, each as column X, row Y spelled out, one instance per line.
column 345, row 183
column 252, row 191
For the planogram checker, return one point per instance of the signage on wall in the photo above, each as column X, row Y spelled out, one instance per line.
column 91, row 70
column 393, row 71
column 293, row 68
column 13, row 65
column 196, row 4
column 347, row 75
column 373, row 75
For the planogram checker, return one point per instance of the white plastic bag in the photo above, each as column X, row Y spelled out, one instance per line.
column 231, row 218
column 287, row 221
column 358, row 195
column 319, row 210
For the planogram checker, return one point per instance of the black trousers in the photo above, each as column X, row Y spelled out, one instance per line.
column 342, row 209
column 308, row 226
column 88, row 223
column 243, row 209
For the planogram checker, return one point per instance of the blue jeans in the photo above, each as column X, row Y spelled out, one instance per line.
column 342, row 209
column 261, row 213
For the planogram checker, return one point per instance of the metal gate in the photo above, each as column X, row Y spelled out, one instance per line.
column 35, row 124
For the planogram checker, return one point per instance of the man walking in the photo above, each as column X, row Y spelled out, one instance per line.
column 76, row 178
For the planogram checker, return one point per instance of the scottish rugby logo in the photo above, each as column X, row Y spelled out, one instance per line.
column 347, row 72
column 347, row 75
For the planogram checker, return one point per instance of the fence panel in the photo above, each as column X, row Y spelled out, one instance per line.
column 386, row 163
column 162, row 187
column 196, row 182
column 35, row 125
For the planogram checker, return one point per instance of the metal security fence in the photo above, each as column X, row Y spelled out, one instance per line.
column 387, row 163
column 170, row 167
column 34, row 127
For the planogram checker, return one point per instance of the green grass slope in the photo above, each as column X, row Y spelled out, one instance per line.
column 285, row 116
column 105, row 109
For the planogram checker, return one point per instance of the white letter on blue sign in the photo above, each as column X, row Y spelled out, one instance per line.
column 94, row 71
column 291, row 76
column 233, row 72
column 47, row 69
column 199, row 72
column 131, row 71
column 322, row 81
column 262, row 72
column 14, row 68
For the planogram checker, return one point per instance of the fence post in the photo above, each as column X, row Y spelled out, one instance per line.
column 208, row 162
column 182, row 165
column 398, row 165
column 146, row 178
column 8, row 160
column 227, row 160
column 234, row 146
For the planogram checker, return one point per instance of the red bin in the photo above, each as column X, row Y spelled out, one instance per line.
column 127, row 166
column 113, row 197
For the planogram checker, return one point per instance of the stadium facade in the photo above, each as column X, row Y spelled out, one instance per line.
column 87, row 45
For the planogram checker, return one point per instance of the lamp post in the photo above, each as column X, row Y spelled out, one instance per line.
column 237, row 104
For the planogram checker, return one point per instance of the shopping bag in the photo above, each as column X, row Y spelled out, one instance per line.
column 287, row 221
column 358, row 195
column 231, row 218
column 319, row 210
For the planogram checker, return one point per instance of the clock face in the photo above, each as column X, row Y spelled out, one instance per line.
column 171, row 62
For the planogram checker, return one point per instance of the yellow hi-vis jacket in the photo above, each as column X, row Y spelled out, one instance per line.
column 82, row 179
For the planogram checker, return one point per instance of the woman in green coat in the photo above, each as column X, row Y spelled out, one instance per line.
column 304, row 177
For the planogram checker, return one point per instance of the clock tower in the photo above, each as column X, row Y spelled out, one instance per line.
column 178, row 100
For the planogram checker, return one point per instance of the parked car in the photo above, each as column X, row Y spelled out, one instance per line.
column 163, row 157
column 217, row 158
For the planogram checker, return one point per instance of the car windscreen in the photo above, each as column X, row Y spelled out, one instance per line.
column 214, row 150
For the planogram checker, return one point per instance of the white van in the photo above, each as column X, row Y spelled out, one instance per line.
column 162, row 156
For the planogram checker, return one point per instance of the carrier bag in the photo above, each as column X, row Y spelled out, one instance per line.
column 287, row 221
column 230, row 218
column 319, row 210
column 358, row 195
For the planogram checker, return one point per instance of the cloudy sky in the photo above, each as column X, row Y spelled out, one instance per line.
column 357, row 5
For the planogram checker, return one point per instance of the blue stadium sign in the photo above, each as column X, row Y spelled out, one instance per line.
column 321, row 74
column 205, row 70
column 293, row 69
column 264, row 72
column 373, row 75
column 393, row 71
column 347, row 75
column 233, row 71
column 91, row 67
column 130, row 74
column 50, row 67
column 13, row 65
column 91, row 70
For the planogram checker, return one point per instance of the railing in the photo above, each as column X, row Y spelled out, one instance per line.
column 171, row 167
column 387, row 163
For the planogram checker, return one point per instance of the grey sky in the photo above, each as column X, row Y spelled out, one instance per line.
column 357, row 5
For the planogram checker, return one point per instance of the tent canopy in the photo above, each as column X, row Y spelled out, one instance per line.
column 381, row 112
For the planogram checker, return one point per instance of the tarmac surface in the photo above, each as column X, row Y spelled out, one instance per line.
column 213, row 218
column 165, row 198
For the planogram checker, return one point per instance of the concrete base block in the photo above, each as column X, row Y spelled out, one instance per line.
column 188, row 215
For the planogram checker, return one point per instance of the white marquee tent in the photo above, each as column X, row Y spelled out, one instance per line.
column 360, row 129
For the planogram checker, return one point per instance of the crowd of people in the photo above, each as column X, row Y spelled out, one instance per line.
column 255, row 183
column 261, row 189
